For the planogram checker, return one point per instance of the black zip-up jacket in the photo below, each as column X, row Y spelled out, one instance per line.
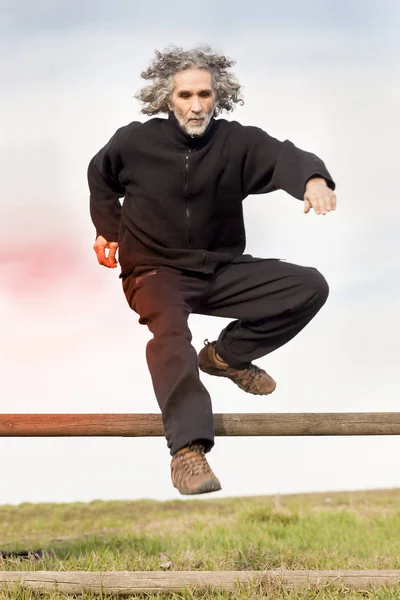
column 183, row 196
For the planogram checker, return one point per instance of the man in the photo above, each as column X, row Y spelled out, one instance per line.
column 180, row 237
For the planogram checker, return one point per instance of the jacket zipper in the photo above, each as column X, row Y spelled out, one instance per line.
column 187, row 211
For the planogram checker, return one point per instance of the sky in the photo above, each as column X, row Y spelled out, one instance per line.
column 322, row 74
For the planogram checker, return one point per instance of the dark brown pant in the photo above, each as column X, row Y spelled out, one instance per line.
column 270, row 301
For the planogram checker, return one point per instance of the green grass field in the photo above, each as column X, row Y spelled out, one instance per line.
column 349, row 530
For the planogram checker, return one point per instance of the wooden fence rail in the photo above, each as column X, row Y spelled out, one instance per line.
column 232, row 424
column 136, row 582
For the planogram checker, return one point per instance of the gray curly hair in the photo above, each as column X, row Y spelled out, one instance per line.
column 156, row 97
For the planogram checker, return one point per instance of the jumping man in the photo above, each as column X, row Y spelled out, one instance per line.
column 180, row 237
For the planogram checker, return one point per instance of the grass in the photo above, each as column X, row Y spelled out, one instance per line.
column 352, row 530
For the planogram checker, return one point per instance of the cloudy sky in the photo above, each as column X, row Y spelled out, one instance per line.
column 323, row 74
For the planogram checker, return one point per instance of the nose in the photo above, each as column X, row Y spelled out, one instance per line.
column 196, row 105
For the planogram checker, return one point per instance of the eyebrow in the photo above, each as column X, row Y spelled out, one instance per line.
column 183, row 91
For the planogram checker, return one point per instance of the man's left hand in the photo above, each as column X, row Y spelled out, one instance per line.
column 319, row 197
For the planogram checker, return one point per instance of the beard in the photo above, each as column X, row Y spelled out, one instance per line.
column 194, row 128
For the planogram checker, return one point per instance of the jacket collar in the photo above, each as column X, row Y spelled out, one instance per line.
column 181, row 139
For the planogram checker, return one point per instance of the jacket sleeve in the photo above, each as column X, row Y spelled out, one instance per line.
column 273, row 165
column 106, row 189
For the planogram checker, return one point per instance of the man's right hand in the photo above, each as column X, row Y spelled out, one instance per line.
column 100, row 246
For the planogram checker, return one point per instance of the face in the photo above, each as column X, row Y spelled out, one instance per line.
column 193, row 100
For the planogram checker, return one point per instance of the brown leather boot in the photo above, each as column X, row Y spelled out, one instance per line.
column 191, row 473
column 252, row 379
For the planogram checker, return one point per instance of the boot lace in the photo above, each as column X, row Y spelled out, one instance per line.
column 195, row 461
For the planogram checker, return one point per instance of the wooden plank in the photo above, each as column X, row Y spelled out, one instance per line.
column 233, row 424
column 128, row 582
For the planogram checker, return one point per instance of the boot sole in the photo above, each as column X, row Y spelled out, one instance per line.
column 205, row 488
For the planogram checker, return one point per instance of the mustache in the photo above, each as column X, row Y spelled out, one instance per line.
column 202, row 117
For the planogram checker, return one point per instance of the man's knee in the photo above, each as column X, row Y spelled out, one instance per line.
column 317, row 285
column 166, row 320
